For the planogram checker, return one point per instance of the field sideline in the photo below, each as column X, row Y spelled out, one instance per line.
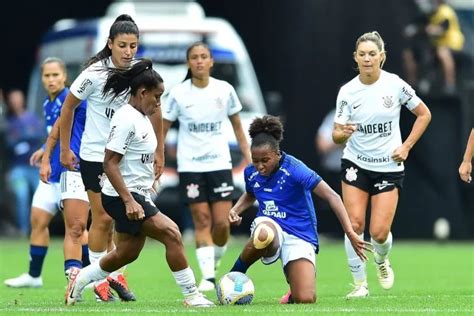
column 431, row 278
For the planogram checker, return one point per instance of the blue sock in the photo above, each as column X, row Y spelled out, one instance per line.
column 85, row 256
column 240, row 266
column 37, row 255
column 72, row 263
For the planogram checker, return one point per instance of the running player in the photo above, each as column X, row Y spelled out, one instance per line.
column 367, row 120
column 121, row 47
column 285, row 226
column 202, row 104
column 58, row 186
column 128, row 164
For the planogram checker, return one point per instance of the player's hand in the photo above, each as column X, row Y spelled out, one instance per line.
column 360, row 245
column 400, row 154
column 45, row 171
column 35, row 158
column 133, row 210
column 465, row 170
column 159, row 164
column 348, row 129
column 68, row 159
column 234, row 218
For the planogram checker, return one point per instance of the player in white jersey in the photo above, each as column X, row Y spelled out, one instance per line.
column 121, row 47
column 202, row 105
column 128, row 164
column 465, row 168
column 367, row 120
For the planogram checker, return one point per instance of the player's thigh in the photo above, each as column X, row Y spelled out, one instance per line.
column 129, row 246
column 301, row 275
column 40, row 218
column 76, row 213
column 162, row 228
column 355, row 202
column 220, row 212
column 383, row 209
column 97, row 209
column 201, row 214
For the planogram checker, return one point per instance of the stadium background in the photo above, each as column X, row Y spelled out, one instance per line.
column 303, row 51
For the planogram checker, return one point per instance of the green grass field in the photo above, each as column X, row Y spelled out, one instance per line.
column 431, row 278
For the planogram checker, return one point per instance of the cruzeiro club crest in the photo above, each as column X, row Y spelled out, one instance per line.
column 351, row 174
column 192, row 190
column 387, row 101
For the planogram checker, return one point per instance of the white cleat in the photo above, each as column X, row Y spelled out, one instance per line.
column 73, row 291
column 359, row 291
column 206, row 286
column 385, row 274
column 24, row 280
column 197, row 300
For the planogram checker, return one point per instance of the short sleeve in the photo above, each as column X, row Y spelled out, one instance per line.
column 305, row 176
column 233, row 103
column 407, row 96
column 85, row 84
column 170, row 108
column 122, row 132
column 342, row 114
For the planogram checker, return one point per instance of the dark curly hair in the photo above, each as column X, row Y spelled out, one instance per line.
column 266, row 130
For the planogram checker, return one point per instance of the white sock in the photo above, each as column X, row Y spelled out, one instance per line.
column 218, row 253
column 186, row 281
column 205, row 258
column 356, row 265
column 382, row 250
column 91, row 273
column 95, row 256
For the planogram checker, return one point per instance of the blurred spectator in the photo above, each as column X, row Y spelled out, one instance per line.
column 436, row 32
column 329, row 152
column 24, row 134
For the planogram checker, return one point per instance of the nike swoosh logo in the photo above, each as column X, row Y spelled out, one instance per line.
column 224, row 194
column 381, row 187
column 356, row 106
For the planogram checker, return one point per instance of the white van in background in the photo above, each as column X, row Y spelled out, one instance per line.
column 166, row 30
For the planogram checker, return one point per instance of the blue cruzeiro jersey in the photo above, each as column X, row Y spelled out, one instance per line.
column 285, row 197
column 52, row 110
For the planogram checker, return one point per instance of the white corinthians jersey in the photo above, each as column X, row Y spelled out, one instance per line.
column 375, row 109
column 132, row 135
column 202, row 112
column 89, row 85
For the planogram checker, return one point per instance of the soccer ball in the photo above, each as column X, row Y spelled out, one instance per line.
column 235, row 288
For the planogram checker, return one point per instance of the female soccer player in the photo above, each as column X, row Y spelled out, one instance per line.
column 57, row 185
column 118, row 53
column 128, row 164
column 285, row 226
column 202, row 104
column 367, row 120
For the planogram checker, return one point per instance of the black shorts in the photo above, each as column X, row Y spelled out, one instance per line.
column 93, row 175
column 115, row 207
column 206, row 186
column 370, row 181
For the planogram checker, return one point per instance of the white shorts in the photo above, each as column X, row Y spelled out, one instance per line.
column 291, row 247
column 49, row 197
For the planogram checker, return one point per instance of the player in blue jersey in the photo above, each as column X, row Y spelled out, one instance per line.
column 285, row 226
column 57, row 186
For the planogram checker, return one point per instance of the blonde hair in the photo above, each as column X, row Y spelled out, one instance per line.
column 374, row 37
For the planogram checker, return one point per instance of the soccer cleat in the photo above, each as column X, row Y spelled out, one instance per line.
column 206, row 286
column 359, row 291
column 385, row 274
column 286, row 299
column 24, row 280
column 120, row 286
column 197, row 300
column 73, row 292
column 103, row 293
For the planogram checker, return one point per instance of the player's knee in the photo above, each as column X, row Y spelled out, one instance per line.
column 263, row 236
column 307, row 297
column 76, row 230
column 358, row 226
column 221, row 227
column 173, row 235
column 379, row 235
column 202, row 221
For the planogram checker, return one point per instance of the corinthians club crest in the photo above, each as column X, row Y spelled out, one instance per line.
column 387, row 101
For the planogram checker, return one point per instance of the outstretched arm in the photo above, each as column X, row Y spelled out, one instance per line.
column 324, row 191
column 465, row 168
